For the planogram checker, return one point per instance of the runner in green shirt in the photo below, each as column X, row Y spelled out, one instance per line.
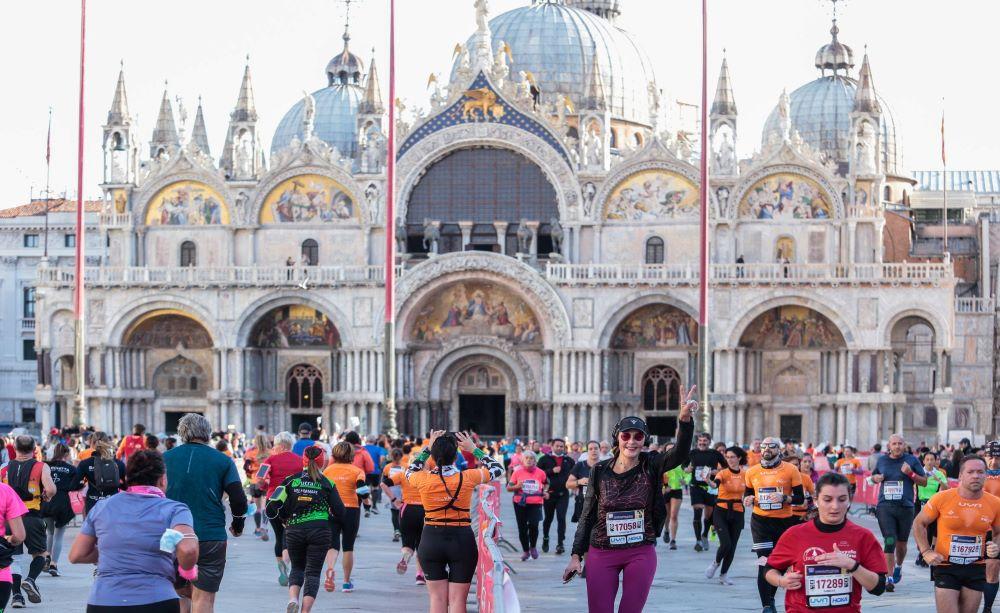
column 936, row 481
column 674, row 480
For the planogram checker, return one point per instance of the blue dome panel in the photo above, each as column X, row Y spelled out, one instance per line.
column 335, row 121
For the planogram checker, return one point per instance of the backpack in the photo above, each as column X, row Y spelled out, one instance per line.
column 106, row 477
column 21, row 478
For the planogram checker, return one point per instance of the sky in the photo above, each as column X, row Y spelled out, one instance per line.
column 926, row 56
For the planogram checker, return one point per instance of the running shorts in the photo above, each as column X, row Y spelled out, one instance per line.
column 767, row 530
column 700, row 495
column 411, row 525
column 957, row 576
column 211, row 565
column 678, row 494
column 448, row 552
column 345, row 530
column 34, row 533
column 894, row 521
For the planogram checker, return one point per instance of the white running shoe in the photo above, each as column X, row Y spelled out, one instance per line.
column 710, row 571
column 724, row 580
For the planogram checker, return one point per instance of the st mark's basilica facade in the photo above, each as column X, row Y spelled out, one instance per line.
column 548, row 237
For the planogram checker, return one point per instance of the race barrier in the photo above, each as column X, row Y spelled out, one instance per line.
column 495, row 591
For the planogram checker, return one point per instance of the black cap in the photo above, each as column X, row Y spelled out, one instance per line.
column 305, row 427
column 632, row 423
column 993, row 449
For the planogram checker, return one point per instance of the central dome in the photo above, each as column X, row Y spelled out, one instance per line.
column 557, row 44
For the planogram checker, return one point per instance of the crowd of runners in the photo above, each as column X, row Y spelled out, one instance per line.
column 157, row 512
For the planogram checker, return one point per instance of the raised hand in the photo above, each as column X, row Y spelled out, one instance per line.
column 465, row 441
column 689, row 404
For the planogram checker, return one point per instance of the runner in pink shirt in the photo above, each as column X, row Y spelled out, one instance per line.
column 11, row 510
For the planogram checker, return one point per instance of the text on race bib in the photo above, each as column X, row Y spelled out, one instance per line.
column 965, row 549
column 892, row 490
column 847, row 469
column 625, row 527
column 531, row 486
column 702, row 473
column 827, row 586
column 770, row 498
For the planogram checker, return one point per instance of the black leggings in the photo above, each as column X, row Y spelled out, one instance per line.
column 411, row 525
column 528, row 516
column 345, row 530
column 307, row 547
column 556, row 506
column 5, row 589
column 164, row 606
column 279, row 537
column 448, row 552
column 394, row 513
column 728, row 525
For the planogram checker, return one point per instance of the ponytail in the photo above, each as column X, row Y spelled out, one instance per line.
column 312, row 455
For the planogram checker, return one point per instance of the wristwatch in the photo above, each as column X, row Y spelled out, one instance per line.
column 857, row 565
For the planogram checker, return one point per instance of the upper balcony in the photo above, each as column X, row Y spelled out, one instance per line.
column 224, row 276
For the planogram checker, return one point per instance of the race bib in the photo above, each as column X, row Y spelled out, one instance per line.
column 892, row 490
column 965, row 549
column 847, row 469
column 530, row 487
column 395, row 470
column 625, row 527
column 827, row 586
column 702, row 473
column 770, row 498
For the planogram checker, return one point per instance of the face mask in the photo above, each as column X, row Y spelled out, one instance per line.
column 171, row 538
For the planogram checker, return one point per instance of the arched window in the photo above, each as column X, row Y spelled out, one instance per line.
column 888, row 193
column 614, row 139
column 661, row 389
column 638, row 139
column 654, row 250
column 310, row 251
column 304, row 386
column 189, row 254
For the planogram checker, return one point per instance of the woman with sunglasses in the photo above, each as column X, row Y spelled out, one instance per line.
column 623, row 511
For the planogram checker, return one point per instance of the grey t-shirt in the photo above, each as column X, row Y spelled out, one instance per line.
column 131, row 569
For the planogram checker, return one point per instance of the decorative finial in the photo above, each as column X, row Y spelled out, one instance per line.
column 248, row 57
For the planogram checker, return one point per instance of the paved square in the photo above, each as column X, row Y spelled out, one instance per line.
column 680, row 584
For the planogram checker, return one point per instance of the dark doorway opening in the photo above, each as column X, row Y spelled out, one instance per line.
column 172, row 418
column 298, row 418
column 791, row 427
column 482, row 414
column 664, row 427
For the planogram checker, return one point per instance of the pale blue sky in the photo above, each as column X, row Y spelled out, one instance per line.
column 921, row 51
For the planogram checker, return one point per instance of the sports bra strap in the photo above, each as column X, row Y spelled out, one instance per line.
column 454, row 497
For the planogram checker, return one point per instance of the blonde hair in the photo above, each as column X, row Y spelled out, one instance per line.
column 102, row 445
column 262, row 445
column 343, row 452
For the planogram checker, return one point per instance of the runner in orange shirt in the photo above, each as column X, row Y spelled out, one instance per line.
column 728, row 516
column 850, row 467
column 772, row 487
column 992, row 486
column 408, row 506
column 966, row 515
column 350, row 483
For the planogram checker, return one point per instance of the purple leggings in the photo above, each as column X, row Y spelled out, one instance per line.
column 604, row 566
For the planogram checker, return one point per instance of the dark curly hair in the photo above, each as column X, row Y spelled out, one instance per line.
column 144, row 468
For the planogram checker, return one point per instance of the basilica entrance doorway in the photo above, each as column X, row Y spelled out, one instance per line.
column 790, row 427
column 482, row 414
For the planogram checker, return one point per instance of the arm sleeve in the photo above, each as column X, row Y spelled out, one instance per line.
column 917, row 468
column 237, row 500
column 798, row 494
column 417, row 462
column 489, row 463
column 588, row 515
column 873, row 559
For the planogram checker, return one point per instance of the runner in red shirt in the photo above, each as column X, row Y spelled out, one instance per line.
column 131, row 444
column 279, row 465
column 824, row 563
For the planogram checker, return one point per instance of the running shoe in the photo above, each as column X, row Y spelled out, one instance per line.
column 375, row 509
column 53, row 571
column 421, row 580
column 525, row 556
column 545, row 544
column 710, row 571
column 29, row 587
column 17, row 601
column 347, row 587
column 330, row 583
column 534, row 553
column 697, row 546
column 560, row 549
column 368, row 513
column 401, row 566
column 666, row 537
column 768, row 609
column 673, row 545
column 725, row 580
column 282, row 574
column 264, row 536
column 889, row 585
column 705, row 544
column 897, row 574
column 396, row 536
column 293, row 607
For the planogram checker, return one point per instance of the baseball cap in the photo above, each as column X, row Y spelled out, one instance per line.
column 632, row 423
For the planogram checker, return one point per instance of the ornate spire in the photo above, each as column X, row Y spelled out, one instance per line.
column 865, row 100
column 199, row 135
column 118, row 114
column 165, row 134
column 596, row 98
column 345, row 67
column 725, row 102
column 371, row 104
column 245, row 109
column 481, row 45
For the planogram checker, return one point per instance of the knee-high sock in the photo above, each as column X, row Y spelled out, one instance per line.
column 990, row 594
column 256, row 519
column 35, row 569
column 706, row 524
column 697, row 523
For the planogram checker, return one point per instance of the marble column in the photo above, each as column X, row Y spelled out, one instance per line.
column 851, row 434
column 729, row 430
column 466, row 228
column 501, row 229
column 741, row 423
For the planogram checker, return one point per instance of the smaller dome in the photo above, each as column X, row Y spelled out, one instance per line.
column 345, row 68
column 336, row 120
column 835, row 55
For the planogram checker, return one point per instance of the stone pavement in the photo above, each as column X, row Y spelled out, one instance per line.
column 680, row 585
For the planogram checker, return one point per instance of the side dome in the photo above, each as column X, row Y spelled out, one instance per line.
column 557, row 44
column 335, row 122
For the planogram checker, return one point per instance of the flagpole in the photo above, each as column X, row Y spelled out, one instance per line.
column 48, row 195
column 704, row 355
column 79, row 409
column 389, row 359
column 944, row 180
